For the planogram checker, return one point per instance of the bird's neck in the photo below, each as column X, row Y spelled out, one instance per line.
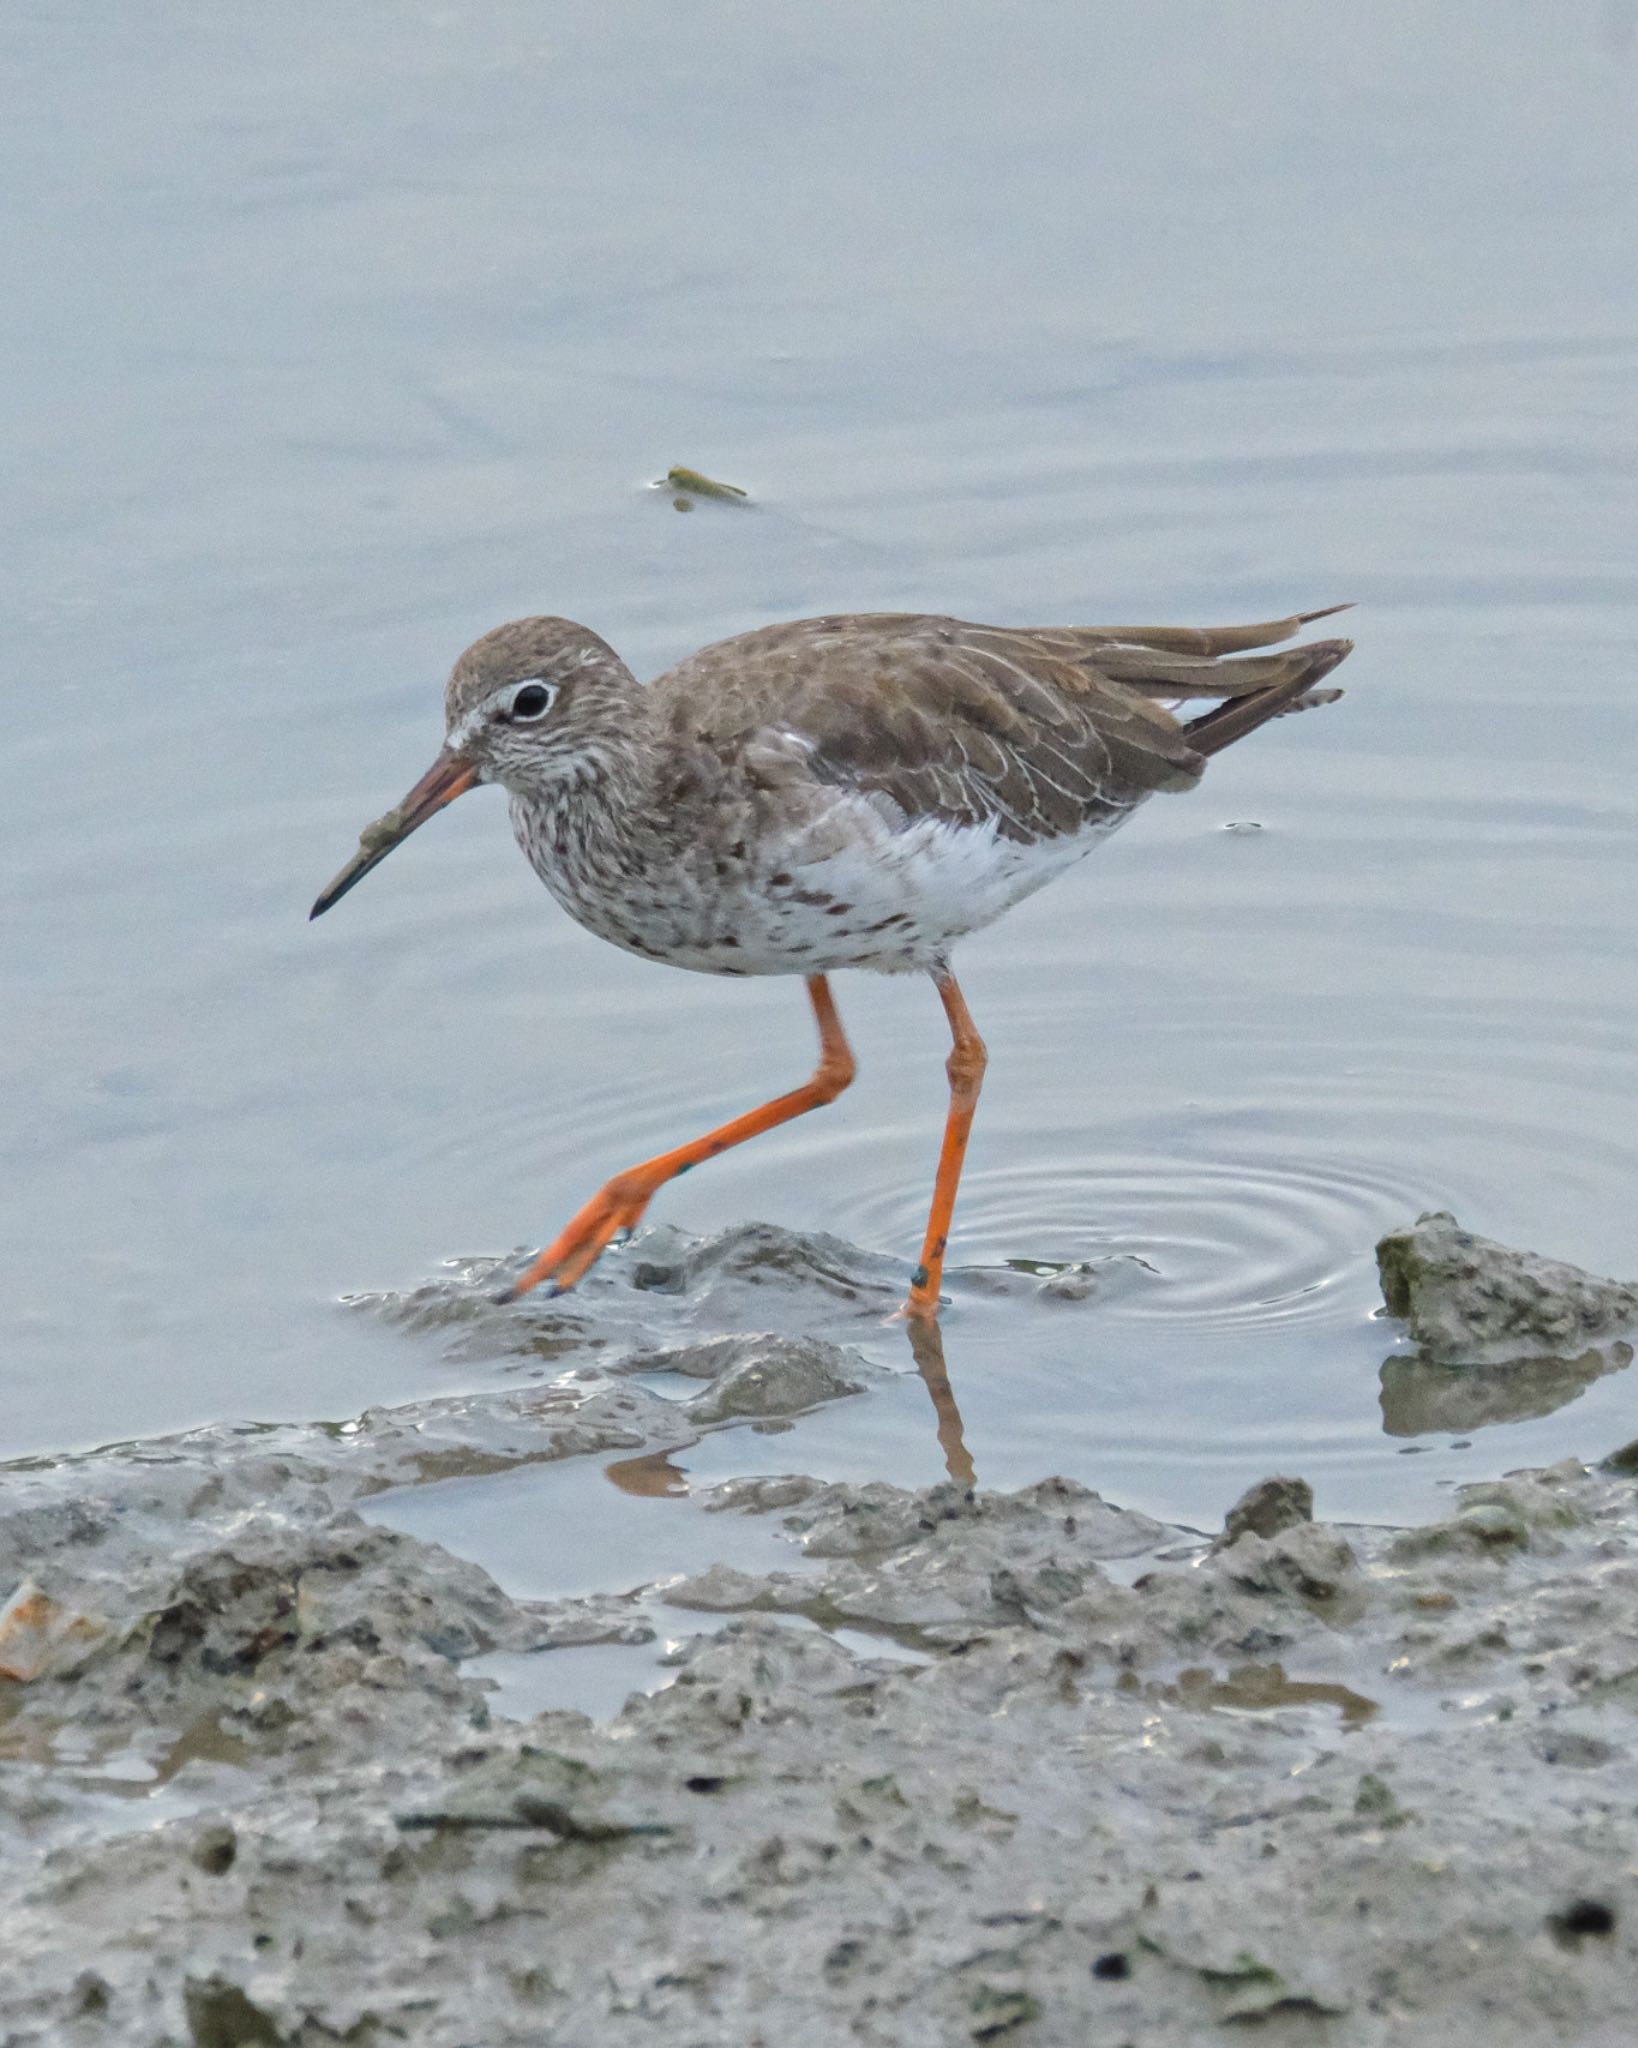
column 583, row 819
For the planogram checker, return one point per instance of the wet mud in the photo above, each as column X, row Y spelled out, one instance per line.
column 962, row 1766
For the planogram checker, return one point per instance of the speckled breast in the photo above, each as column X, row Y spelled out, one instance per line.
column 838, row 888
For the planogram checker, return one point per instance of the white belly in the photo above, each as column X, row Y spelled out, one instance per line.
column 845, row 888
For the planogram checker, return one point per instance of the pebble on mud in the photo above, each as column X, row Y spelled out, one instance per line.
column 1267, row 1508
column 40, row 1634
column 765, row 1376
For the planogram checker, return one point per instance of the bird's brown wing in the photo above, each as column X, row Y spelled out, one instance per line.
column 1044, row 732
column 1176, row 662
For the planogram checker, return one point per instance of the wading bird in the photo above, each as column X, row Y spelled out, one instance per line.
column 855, row 791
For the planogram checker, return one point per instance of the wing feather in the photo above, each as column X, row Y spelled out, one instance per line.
column 1040, row 731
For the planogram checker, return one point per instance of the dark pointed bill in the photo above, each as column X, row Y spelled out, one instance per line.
column 444, row 781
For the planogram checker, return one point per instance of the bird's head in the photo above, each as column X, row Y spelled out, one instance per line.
column 534, row 705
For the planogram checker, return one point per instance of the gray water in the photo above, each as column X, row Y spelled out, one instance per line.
column 334, row 336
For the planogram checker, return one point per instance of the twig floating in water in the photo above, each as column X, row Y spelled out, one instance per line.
column 681, row 479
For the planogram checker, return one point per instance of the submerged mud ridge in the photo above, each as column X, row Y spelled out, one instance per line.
column 1115, row 1782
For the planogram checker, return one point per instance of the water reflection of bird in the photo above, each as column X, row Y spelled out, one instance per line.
column 856, row 791
column 927, row 1349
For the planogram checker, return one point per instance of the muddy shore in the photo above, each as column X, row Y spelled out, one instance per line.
column 970, row 1767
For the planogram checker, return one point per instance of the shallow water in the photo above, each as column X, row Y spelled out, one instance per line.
column 330, row 348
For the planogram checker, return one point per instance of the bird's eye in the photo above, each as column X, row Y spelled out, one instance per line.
column 532, row 701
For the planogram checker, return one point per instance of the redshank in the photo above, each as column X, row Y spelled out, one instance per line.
column 854, row 791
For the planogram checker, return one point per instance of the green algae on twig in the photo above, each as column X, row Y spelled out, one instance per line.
column 680, row 478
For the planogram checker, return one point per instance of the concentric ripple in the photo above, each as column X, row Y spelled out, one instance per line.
column 1213, row 1241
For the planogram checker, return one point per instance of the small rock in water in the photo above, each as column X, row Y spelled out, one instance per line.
column 1468, row 1301
column 1267, row 1508
column 772, row 1376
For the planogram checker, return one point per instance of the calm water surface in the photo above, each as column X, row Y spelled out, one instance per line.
column 337, row 336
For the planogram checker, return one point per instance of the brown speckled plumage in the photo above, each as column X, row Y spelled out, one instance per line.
column 852, row 791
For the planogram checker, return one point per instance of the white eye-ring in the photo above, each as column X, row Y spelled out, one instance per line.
column 532, row 699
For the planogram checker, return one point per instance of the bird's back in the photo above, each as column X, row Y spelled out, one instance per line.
column 1038, row 733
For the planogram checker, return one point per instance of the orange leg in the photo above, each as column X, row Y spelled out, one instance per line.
column 965, row 1068
column 619, row 1205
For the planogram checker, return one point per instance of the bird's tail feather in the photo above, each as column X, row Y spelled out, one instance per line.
column 1171, row 664
column 1231, row 720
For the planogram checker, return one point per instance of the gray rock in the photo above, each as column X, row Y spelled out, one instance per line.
column 1267, row 1508
column 1469, row 1301
column 1537, row 1511
column 768, row 1376
column 1303, row 1558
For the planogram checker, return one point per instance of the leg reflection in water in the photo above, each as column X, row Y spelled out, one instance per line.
column 654, row 1475
column 927, row 1348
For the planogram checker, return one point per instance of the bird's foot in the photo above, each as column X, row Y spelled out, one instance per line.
column 612, row 1213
